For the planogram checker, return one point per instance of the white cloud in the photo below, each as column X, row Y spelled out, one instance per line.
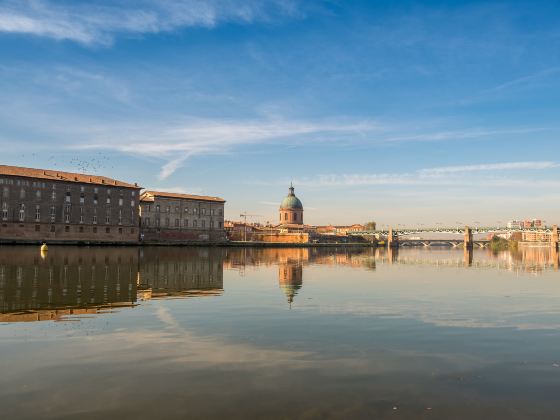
column 97, row 23
column 490, row 167
column 177, row 143
column 444, row 176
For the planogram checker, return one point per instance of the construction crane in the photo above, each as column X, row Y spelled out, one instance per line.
column 244, row 215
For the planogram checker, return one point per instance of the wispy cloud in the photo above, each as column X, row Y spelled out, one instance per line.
column 443, row 176
column 97, row 22
column 489, row 167
column 196, row 137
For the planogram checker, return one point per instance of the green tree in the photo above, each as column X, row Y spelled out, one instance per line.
column 370, row 225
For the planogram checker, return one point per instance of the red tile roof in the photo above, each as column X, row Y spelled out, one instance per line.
column 149, row 196
column 63, row 176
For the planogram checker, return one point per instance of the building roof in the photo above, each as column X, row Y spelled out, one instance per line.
column 149, row 196
column 291, row 202
column 63, row 176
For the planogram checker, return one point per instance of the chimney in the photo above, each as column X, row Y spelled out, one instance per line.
column 103, row 181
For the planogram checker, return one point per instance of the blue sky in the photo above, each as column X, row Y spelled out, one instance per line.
column 401, row 112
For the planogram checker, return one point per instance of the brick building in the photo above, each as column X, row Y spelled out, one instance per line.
column 54, row 206
column 181, row 218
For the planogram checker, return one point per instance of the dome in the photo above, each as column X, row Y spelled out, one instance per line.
column 291, row 201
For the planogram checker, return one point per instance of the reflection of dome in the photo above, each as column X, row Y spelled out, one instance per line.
column 290, row 277
column 291, row 201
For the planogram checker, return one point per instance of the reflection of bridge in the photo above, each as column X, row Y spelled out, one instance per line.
column 395, row 238
column 454, row 243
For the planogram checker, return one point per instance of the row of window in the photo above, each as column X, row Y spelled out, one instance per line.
column 81, row 229
column 203, row 211
column 167, row 223
column 67, row 198
column 21, row 214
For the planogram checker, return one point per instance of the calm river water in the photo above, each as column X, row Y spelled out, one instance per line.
column 279, row 333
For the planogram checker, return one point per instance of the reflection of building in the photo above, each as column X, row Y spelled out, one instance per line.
column 69, row 281
column 170, row 217
column 290, row 277
column 180, row 272
column 39, row 205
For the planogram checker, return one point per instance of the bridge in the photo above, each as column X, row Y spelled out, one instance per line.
column 398, row 237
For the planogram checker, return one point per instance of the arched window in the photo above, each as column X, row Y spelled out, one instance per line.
column 285, row 216
column 295, row 216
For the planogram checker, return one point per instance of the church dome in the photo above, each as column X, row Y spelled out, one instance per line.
column 291, row 201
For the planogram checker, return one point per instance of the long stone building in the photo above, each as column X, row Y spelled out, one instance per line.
column 54, row 206
column 181, row 218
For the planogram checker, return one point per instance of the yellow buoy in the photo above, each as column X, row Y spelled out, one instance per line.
column 44, row 248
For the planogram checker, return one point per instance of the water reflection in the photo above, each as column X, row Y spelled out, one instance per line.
column 180, row 272
column 65, row 281
column 417, row 333
column 77, row 281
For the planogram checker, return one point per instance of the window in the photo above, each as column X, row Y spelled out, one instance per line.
column 67, row 217
column 95, row 190
column 81, row 229
column 186, row 222
column 53, row 195
column 5, row 192
column 203, row 212
column 95, row 198
column 37, row 228
column 53, row 213
column 22, row 212
column 220, row 212
column 82, row 198
column 167, row 222
column 220, row 225
column 147, row 221
column 67, row 199
column 186, row 211
column 177, row 223
column 157, row 222
column 108, row 200
column 82, row 188
column 194, row 223
column 157, row 208
column 285, row 216
column 53, row 228
column 107, row 218
column 108, row 230
column 94, row 220
column 295, row 216
column 212, row 212
column 22, row 194
column 37, row 213
column 120, row 201
column 132, row 202
column 81, row 215
column 94, row 229
column 133, row 193
column 168, row 209
column 4, row 211
column 120, row 231
column 66, row 228
column 38, row 194
column 120, row 217
column 176, row 209
column 204, row 223
column 211, row 224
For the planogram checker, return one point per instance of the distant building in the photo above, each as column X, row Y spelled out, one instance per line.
column 55, row 206
column 515, row 224
column 181, row 218
column 291, row 209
